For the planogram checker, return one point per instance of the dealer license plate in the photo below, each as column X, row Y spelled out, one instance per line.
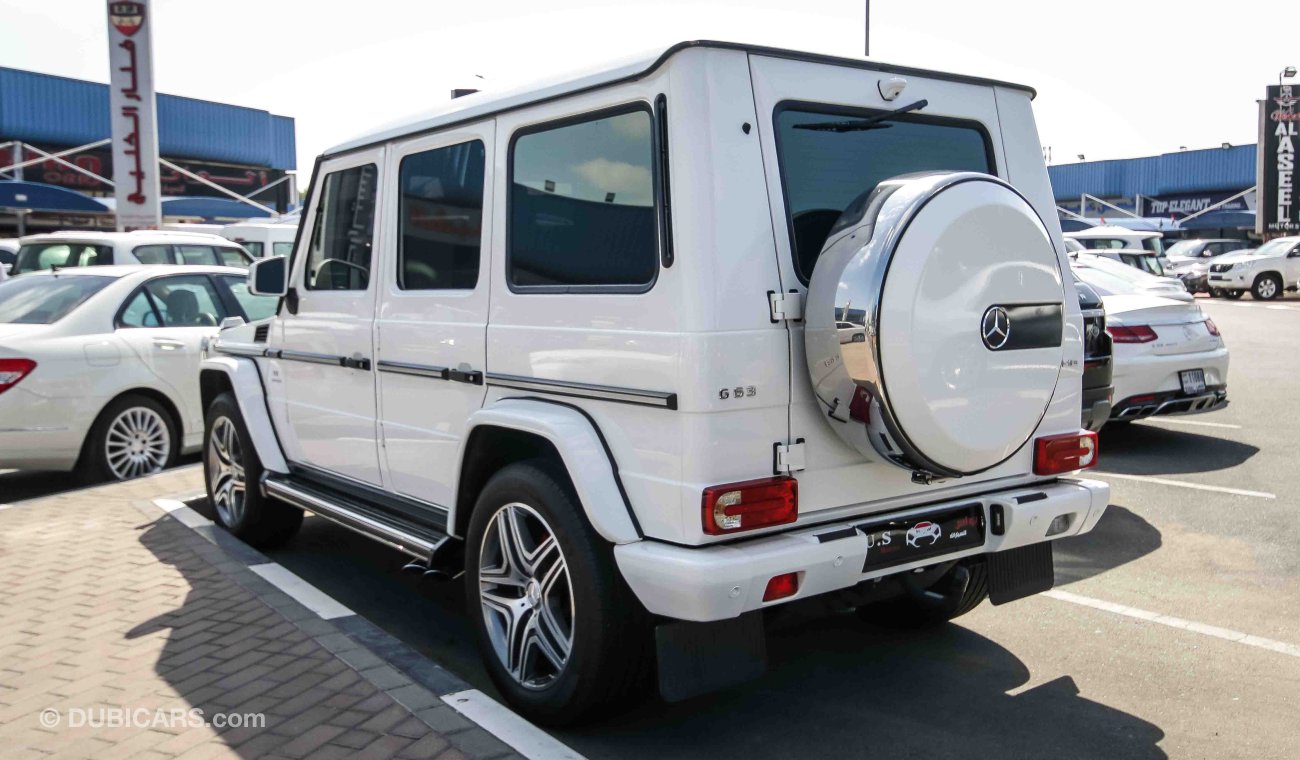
column 899, row 541
column 1193, row 381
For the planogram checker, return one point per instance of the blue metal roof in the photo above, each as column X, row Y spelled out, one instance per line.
column 38, row 196
column 42, row 108
column 1188, row 171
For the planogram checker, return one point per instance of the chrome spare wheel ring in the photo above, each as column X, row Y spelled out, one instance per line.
column 138, row 443
column 226, row 483
column 526, row 595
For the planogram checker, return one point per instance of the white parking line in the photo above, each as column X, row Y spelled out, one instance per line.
column 1226, row 634
column 1224, row 425
column 6, row 506
column 1182, row 484
column 180, row 511
column 1281, row 308
column 303, row 592
column 527, row 739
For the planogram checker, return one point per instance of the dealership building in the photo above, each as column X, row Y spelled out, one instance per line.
column 56, row 157
column 1170, row 192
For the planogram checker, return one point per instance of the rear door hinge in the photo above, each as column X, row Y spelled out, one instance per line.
column 788, row 457
column 785, row 305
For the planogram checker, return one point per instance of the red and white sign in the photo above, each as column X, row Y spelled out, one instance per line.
column 133, row 113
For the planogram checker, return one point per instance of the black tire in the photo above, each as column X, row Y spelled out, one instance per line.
column 241, row 509
column 609, row 661
column 1216, row 293
column 959, row 591
column 95, row 466
column 1233, row 295
column 1267, row 287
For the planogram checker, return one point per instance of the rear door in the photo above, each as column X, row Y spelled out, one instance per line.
column 433, row 304
column 812, row 176
column 321, row 383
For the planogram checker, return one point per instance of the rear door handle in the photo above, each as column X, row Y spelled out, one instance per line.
column 168, row 344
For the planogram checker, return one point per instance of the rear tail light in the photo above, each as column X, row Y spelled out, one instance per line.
column 1134, row 334
column 14, row 370
column 1056, row 454
column 752, row 504
column 1213, row 328
column 781, row 586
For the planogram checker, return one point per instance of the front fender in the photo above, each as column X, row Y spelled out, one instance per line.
column 246, row 381
column 591, row 466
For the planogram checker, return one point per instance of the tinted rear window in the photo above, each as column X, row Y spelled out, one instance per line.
column 45, row 300
column 824, row 171
column 38, row 256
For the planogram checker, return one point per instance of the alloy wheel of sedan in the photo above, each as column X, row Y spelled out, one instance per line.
column 138, row 442
column 226, row 480
column 526, row 595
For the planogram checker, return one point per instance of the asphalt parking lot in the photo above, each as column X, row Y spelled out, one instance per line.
column 1174, row 629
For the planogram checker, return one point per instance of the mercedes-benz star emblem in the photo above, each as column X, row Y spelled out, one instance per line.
column 996, row 328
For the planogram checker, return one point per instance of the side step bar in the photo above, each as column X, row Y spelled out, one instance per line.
column 415, row 541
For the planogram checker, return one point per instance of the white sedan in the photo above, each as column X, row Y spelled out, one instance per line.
column 1169, row 357
column 1110, row 277
column 99, row 366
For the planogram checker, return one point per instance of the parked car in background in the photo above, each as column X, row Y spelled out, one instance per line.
column 1113, row 236
column 8, row 254
column 1109, row 277
column 1144, row 261
column 87, row 249
column 1189, row 260
column 631, row 432
column 850, row 332
column 1098, row 366
column 1264, row 272
column 99, row 365
column 1169, row 357
column 262, row 238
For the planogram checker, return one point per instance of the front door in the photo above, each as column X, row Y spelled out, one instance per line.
column 322, row 377
column 432, row 319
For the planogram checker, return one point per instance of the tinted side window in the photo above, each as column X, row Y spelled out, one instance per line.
column 47, row 255
column 154, row 254
column 281, row 249
column 233, row 257
column 342, row 236
column 197, row 254
column 582, row 205
column 824, row 171
column 252, row 247
column 187, row 301
column 441, row 217
column 139, row 312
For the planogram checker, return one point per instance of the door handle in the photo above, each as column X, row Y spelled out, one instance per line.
column 168, row 344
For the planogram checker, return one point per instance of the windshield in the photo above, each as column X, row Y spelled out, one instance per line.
column 1109, row 284
column 45, row 300
column 1148, row 264
column 1277, row 247
column 1187, row 248
column 37, row 256
column 824, row 171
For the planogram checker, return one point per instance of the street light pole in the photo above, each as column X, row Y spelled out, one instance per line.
column 866, row 46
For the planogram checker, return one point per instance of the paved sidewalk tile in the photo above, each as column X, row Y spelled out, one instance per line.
column 126, row 634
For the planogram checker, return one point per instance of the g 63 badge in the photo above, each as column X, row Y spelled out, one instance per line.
column 740, row 391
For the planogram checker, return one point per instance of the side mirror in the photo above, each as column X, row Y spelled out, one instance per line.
column 269, row 276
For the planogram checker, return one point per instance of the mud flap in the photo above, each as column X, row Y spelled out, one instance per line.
column 1017, row 573
column 698, row 658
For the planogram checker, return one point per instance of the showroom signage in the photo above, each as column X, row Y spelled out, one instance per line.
column 1190, row 203
column 133, row 112
column 1279, row 129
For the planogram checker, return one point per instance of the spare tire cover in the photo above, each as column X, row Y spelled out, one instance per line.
column 954, row 291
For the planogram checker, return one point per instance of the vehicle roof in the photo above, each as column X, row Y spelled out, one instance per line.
column 118, row 271
column 1130, row 251
column 483, row 104
column 1111, row 230
column 135, row 237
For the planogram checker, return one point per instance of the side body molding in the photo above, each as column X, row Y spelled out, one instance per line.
column 246, row 380
column 590, row 465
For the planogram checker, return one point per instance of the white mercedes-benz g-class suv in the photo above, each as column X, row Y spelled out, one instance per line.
column 582, row 344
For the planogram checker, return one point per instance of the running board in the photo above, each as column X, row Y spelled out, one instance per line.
column 417, row 541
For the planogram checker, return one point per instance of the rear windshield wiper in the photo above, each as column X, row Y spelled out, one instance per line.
column 871, row 122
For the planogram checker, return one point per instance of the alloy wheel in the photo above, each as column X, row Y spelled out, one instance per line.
column 526, row 595
column 1267, row 288
column 138, row 443
column 226, row 482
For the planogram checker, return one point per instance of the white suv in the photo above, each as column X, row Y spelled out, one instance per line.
column 581, row 343
column 1265, row 272
column 58, row 250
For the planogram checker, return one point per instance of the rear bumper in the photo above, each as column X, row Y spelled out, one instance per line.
column 42, row 433
column 725, row 581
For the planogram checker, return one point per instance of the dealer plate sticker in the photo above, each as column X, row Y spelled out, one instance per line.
column 908, row 539
column 1193, row 381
